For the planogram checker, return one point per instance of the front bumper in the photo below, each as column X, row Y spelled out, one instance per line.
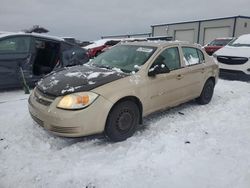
column 71, row 123
column 234, row 75
column 244, row 68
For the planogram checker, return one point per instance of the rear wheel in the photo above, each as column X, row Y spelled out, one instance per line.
column 122, row 121
column 207, row 92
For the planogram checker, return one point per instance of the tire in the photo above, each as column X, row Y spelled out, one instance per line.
column 207, row 93
column 122, row 121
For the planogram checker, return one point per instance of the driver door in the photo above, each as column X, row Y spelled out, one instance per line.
column 166, row 89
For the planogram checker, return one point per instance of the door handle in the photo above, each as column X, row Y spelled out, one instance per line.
column 202, row 70
column 179, row 76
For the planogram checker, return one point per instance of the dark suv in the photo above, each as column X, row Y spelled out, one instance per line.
column 28, row 57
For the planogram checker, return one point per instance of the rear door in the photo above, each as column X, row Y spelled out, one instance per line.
column 193, row 60
column 14, row 53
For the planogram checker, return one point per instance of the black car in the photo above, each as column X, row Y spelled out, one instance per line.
column 28, row 57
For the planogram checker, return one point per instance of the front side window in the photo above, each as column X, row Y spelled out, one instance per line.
column 192, row 56
column 170, row 57
column 127, row 58
column 15, row 45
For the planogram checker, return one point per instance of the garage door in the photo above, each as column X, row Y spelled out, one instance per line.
column 184, row 35
column 215, row 32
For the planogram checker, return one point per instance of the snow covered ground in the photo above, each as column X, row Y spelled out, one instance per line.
column 188, row 146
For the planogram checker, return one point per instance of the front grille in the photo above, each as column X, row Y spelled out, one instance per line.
column 69, row 130
column 229, row 60
column 42, row 98
column 38, row 121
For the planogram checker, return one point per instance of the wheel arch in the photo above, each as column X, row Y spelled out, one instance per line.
column 134, row 99
column 211, row 78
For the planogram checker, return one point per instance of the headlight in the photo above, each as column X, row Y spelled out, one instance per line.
column 77, row 100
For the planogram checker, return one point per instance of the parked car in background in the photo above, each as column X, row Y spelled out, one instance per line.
column 113, row 92
column 216, row 44
column 103, row 45
column 234, row 58
column 96, row 47
column 85, row 43
column 123, row 40
column 164, row 38
column 71, row 40
column 25, row 56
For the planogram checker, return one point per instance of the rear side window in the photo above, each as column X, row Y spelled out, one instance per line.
column 192, row 56
column 201, row 56
column 15, row 45
column 170, row 57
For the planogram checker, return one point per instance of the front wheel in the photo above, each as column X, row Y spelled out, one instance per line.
column 207, row 93
column 122, row 121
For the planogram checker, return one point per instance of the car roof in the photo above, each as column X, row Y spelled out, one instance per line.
column 160, row 44
column 7, row 34
column 100, row 42
column 224, row 38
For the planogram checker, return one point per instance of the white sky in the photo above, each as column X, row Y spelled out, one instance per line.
column 89, row 20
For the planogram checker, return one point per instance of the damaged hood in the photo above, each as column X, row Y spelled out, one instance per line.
column 77, row 79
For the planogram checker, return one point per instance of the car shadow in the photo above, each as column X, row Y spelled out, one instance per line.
column 173, row 111
column 236, row 77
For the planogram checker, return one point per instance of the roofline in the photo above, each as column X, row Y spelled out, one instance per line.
column 125, row 35
column 203, row 20
column 160, row 44
column 48, row 37
column 156, row 43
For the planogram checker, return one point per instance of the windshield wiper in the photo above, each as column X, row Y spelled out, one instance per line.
column 239, row 45
column 125, row 70
column 102, row 66
column 110, row 68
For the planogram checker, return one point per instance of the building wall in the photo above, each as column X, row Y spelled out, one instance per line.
column 206, row 30
column 140, row 35
column 173, row 29
column 224, row 23
column 170, row 30
column 159, row 31
column 203, row 31
column 242, row 26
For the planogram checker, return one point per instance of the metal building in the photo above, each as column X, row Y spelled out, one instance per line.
column 204, row 31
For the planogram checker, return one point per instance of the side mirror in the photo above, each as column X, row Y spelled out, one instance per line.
column 158, row 69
